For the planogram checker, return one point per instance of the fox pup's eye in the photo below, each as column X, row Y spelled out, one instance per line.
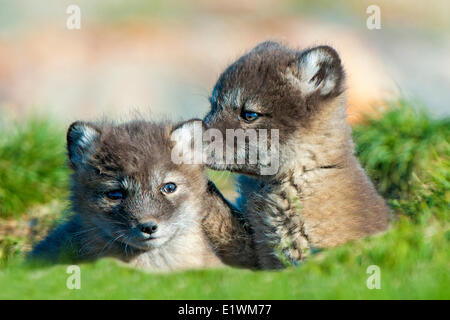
column 169, row 188
column 115, row 194
column 249, row 116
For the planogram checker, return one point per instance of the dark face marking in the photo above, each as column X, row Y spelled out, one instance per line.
column 124, row 178
column 274, row 87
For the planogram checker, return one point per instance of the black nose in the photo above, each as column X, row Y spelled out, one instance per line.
column 148, row 227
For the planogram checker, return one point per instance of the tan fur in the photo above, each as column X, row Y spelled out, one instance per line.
column 320, row 196
column 229, row 236
column 191, row 251
column 336, row 200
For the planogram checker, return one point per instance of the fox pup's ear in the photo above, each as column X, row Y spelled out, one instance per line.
column 81, row 140
column 317, row 71
column 187, row 140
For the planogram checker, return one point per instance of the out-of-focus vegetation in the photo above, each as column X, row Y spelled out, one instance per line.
column 406, row 153
column 393, row 12
column 32, row 165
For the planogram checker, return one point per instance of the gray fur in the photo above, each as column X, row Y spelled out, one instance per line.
column 320, row 197
column 197, row 227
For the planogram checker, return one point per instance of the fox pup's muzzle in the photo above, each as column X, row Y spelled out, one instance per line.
column 148, row 227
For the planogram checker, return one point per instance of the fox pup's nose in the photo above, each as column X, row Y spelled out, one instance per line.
column 148, row 227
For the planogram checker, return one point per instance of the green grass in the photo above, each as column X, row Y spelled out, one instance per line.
column 406, row 153
column 414, row 264
column 32, row 165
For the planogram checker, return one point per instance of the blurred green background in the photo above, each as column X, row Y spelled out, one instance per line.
column 161, row 59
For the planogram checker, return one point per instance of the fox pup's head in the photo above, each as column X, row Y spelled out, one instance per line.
column 125, row 184
column 274, row 87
